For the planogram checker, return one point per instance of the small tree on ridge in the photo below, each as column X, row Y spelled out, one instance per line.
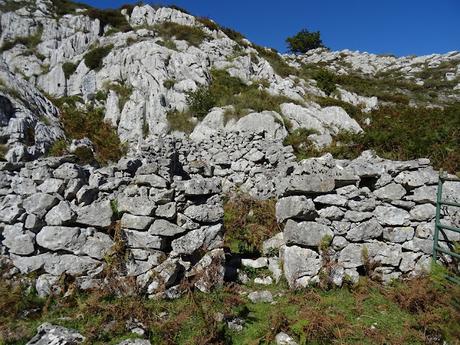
column 304, row 41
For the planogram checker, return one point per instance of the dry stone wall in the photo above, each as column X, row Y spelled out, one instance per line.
column 160, row 210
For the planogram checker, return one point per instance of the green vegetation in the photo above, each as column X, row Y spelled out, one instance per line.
column 123, row 91
column 325, row 81
column 248, row 223
column 210, row 24
column 30, row 42
column 112, row 17
column 276, row 61
column 225, row 90
column 180, row 121
column 193, row 35
column 304, row 41
column 3, row 151
column 397, row 132
column 63, row 7
column 169, row 83
column 11, row 6
column 93, row 59
column 233, row 34
column 421, row 311
column 69, row 68
column 90, row 123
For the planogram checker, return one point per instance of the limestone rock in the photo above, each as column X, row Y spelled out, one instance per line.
column 306, row 233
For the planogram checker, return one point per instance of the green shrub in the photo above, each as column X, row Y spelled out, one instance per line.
column 58, row 148
column 226, row 90
column 193, row 35
column 233, row 34
column 276, row 61
column 398, row 133
column 123, row 91
column 69, row 68
column 12, row 6
column 30, row 42
column 63, row 7
column 90, row 123
column 3, row 151
column 169, row 83
column 304, row 41
column 167, row 43
column 180, row 121
column 93, row 59
column 201, row 101
column 325, row 81
column 210, row 24
column 112, row 17
column 248, row 223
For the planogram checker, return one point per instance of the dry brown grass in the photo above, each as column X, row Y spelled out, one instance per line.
column 248, row 222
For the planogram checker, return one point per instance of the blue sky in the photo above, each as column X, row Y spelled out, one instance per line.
column 400, row 27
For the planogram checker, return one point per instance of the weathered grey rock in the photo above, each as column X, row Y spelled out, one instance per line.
column 260, row 297
column 331, row 213
column 424, row 194
column 18, row 240
column 417, row 178
column 86, row 195
column 300, row 265
column 52, row 185
column 136, row 205
column 390, row 192
column 68, row 171
column 362, row 205
column 284, row 339
column 167, row 211
column 274, row 266
column 339, row 242
column 162, row 227
column 39, row 203
column 383, row 253
column 393, row 216
column 306, row 233
column 97, row 245
column 71, row 264
column 295, row 207
column 60, row 214
column 423, row 212
column 364, row 231
column 209, row 271
column 398, row 234
column 97, row 214
column 205, row 213
column 135, row 342
column 263, row 281
column 130, row 221
column 331, row 199
column 48, row 334
column 307, row 185
column 272, row 245
column 46, row 285
column 351, row 256
column 356, row 216
column 189, row 243
column 254, row 263
column 140, row 239
column 10, row 214
column 151, row 180
column 57, row 238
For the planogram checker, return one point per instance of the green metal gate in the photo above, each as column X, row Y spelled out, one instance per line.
column 440, row 228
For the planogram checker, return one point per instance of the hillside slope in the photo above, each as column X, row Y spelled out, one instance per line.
column 149, row 71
